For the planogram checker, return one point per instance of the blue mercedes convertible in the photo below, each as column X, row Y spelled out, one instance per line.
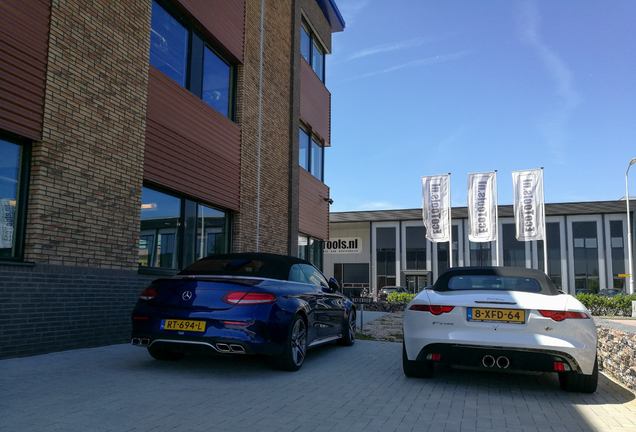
column 244, row 303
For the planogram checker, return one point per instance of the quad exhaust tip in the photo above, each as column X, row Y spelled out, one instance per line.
column 144, row 342
column 230, row 348
column 502, row 362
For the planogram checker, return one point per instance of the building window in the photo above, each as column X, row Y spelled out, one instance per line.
column 176, row 231
column 312, row 51
column 586, row 267
column 385, row 257
column 514, row 251
column 310, row 154
column 416, row 248
column 442, row 252
column 353, row 278
column 181, row 52
column 311, row 250
column 480, row 254
column 553, row 235
column 618, row 253
column 13, row 186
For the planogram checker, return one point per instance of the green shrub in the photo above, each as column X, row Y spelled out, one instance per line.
column 608, row 306
column 400, row 297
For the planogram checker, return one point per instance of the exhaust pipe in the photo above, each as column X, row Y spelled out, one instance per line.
column 140, row 342
column 503, row 362
column 488, row 361
column 223, row 347
column 237, row 349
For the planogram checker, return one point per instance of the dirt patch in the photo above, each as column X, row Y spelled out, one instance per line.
column 387, row 329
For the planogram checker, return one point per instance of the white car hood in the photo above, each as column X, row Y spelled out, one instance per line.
column 499, row 299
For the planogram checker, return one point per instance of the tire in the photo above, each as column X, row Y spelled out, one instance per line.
column 349, row 330
column 576, row 382
column 293, row 356
column 415, row 368
column 162, row 354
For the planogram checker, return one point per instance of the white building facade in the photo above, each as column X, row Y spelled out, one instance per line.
column 587, row 247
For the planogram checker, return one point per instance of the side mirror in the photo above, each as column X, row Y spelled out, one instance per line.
column 333, row 284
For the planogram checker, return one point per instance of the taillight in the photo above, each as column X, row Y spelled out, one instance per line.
column 241, row 298
column 148, row 294
column 434, row 309
column 561, row 315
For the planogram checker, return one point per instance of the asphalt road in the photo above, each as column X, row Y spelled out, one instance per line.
column 358, row 388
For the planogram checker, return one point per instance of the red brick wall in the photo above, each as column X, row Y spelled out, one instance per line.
column 85, row 188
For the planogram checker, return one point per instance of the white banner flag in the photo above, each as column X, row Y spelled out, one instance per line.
column 482, row 207
column 528, row 204
column 436, row 207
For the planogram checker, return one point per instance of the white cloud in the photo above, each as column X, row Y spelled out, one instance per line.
column 423, row 62
column 390, row 47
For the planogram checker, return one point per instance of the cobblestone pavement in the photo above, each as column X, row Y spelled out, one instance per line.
column 358, row 388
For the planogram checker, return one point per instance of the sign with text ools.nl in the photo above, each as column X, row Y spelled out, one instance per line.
column 343, row 245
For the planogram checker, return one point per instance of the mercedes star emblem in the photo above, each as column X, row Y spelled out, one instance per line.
column 187, row 295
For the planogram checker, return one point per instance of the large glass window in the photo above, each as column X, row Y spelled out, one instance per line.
column 385, row 256
column 586, row 268
column 480, row 254
column 10, row 188
column 216, row 82
column 416, row 248
column 168, row 45
column 310, row 250
column 553, row 235
column 442, row 252
column 514, row 251
column 316, row 159
column 312, row 51
column 303, row 149
column 179, row 50
column 176, row 231
column 618, row 253
column 310, row 154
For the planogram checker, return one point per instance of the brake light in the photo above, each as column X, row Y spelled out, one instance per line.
column 434, row 309
column 561, row 315
column 148, row 294
column 242, row 298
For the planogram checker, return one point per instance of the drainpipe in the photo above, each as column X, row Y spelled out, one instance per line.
column 260, row 107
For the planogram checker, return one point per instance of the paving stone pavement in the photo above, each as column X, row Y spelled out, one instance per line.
column 358, row 388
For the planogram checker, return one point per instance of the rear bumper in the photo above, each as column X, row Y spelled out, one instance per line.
column 499, row 358
column 256, row 331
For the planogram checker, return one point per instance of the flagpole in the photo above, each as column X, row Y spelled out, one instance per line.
column 496, row 221
column 450, row 228
column 545, row 234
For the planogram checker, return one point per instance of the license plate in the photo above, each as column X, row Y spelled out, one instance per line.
column 183, row 325
column 514, row 316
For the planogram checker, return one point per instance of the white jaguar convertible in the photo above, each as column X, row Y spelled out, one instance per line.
column 497, row 318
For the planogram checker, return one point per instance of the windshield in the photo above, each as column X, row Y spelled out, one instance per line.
column 491, row 282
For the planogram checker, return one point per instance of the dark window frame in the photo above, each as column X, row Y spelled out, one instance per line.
column 24, row 172
column 197, row 43
column 312, row 138
column 314, row 41
column 187, row 241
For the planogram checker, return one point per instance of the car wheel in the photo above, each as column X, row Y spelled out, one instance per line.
column 293, row 356
column 415, row 368
column 162, row 354
column 576, row 382
column 349, row 336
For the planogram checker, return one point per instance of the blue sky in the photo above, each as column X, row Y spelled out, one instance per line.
column 424, row 87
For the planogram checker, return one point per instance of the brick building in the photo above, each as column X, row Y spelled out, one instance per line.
column 137, row 137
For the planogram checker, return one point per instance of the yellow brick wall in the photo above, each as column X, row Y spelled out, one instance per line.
column 86, row 176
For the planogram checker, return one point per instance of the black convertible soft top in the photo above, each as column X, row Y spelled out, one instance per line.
column 253, row 264
column 537, row 280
